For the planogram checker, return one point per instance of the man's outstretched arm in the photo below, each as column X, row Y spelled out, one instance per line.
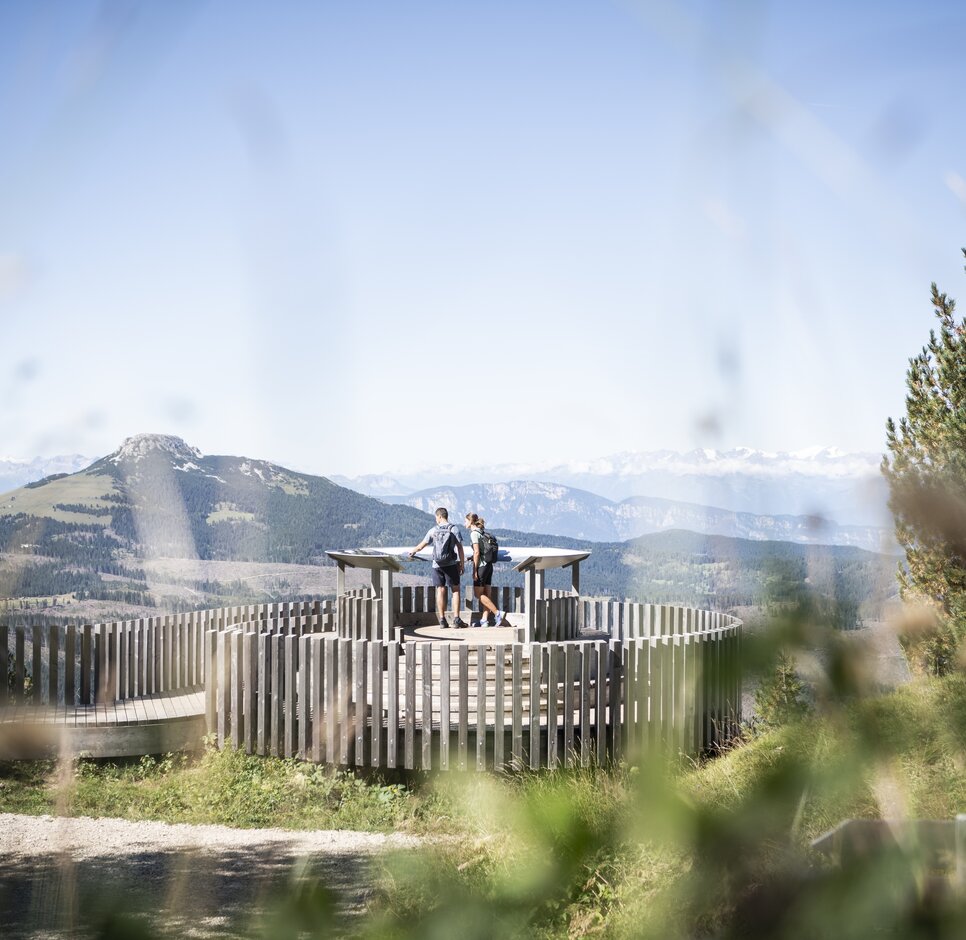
column 421, row 546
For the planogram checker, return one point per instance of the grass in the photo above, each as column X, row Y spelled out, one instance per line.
column 84, row 488
column 222, row 787
column 717, row 849
column 665, row 850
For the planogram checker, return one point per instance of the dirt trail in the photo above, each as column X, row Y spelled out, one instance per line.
column 63, row 877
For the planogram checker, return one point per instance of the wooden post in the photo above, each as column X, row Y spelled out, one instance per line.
column 444, row 705
column 463, row 692
column 409, row 707
column 376, row 651
column 53, row 663
column 426, row 723
column 359, row 650
column 499, row 706
column 480, row 707
column 960, row 839
column 340, row 580
column 516, row 717
column 392, row 703
column 37, row 648
column 530, row 603
column 388, row 604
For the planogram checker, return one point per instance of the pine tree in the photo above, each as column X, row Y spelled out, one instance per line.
column 780, row 696
column 927, row 484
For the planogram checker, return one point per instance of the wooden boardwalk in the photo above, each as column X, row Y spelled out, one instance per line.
column 152, row 724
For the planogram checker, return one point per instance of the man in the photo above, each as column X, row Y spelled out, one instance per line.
column 448, row 564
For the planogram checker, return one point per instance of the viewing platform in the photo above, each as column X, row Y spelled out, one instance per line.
column 372, row 680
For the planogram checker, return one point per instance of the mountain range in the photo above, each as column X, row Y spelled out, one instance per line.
column 532, row 506
column 87, row 534
column 844, row 488
column 16, row 472
column 156, row 496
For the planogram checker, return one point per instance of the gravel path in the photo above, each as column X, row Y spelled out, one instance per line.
column 63, row 877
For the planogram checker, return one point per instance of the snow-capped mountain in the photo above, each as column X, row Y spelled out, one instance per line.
column 16, row 472
column 846, row 488
column 531, row 506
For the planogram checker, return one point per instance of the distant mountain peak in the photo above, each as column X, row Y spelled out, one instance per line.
column 142, row 445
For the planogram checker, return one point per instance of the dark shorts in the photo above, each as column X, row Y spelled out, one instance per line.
column 449, row 575
column 484, row 575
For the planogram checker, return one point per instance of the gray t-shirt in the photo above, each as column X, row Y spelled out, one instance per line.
column 456, row 531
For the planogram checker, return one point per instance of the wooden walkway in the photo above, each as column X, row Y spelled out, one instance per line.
column 152, row 724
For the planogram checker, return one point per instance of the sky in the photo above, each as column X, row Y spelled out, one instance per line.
column 364, row 237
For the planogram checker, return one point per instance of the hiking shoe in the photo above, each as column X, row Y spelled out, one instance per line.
column 443, row 623
column 459, row 624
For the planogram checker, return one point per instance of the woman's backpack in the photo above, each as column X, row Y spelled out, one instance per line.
column 489, row 547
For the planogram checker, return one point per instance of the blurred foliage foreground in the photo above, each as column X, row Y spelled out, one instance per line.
column 663, row 849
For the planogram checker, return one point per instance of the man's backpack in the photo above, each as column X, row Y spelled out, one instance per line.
column 489, row 547
column 444, row 545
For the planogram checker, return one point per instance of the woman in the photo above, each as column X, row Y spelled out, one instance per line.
column 482, row 570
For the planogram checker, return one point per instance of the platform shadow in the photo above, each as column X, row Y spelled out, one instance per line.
column 264, row 890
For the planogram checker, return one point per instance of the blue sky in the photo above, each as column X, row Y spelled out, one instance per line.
column 359, row 237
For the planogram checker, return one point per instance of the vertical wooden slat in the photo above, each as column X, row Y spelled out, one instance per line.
column 53, row 664
column 629, row 719
column 536, row 657
column 376, row 652
column 156, row 656
column 19, row 664
column 568, row 703
column 223, row 684
column 345, row 699
column 5, row 661
column 317, row 660
column 359, row 651
column 583, row 653
column 263, row 705
column 426, row 724
column 463, row 692
column 680, row 721
column 480, row 707
column 236, row 665
column 409, row 707
column 445, row 722
column 302, row 693
column 392, row 704
column 211, row 687
column 553, row 689
column 70, row 662
column 516, row 705
column 99, row 657
column 600, row 701
column 499, row 707
column 250, row 674
column 276, row 729
column 616, row 693
column 667, row 692
column 36, row 645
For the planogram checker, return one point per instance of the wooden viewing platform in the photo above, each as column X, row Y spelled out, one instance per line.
column 371, row 680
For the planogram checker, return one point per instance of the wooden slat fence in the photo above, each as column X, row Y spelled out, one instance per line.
column 672, row 687
column 110, row 662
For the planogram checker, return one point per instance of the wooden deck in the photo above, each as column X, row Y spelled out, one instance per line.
column 152, row 724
